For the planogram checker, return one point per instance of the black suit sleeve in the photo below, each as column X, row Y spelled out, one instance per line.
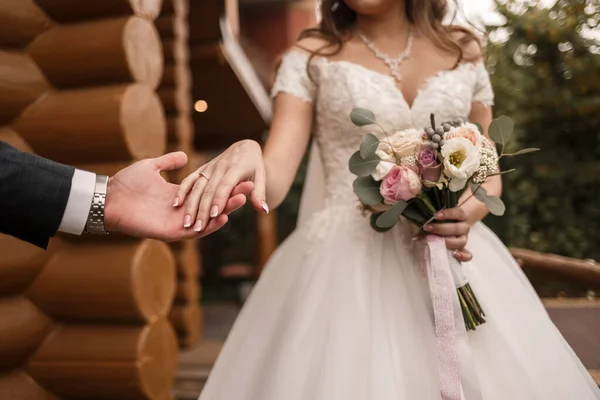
column 33, row 195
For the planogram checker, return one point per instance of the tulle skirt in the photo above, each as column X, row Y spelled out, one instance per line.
column 344, row 313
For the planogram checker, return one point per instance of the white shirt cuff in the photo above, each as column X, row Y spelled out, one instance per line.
column 79, row 203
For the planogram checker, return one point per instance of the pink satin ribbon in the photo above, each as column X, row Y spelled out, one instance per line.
column 442, row 288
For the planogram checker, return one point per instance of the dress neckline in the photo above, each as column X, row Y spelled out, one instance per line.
column 423, row 86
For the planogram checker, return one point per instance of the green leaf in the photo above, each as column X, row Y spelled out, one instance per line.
column 523, row 151
column 501, row 129
column 479, row 127
column 494, row 204
column 363, row 166
column 374, row 217
column 392, row 215
column 367, row 190
column 411, row 214
column 362, row 117
column 369, row 145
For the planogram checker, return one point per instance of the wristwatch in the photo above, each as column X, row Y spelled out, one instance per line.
column 95, row 222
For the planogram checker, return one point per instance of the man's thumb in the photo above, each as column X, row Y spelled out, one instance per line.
column 171, row 161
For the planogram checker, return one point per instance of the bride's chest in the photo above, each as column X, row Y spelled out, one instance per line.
column 343, row 86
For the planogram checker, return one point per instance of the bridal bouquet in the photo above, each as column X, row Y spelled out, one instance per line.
column 417, row 172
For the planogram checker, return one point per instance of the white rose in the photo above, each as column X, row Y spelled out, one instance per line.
column 387, row 162
column 403, row 143
column 461, row 161
column 406, row 142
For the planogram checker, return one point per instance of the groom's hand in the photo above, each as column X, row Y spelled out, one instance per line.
column 139, row 201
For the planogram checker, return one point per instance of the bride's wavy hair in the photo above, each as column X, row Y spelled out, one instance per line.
column 427, row 16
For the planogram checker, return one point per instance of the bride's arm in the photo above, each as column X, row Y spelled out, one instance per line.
column 474, row 208
column 273, row 169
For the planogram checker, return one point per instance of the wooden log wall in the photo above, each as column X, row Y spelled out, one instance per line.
column 175, row 94
column 86, row 319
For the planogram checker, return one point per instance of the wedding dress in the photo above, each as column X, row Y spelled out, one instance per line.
column 342, row 312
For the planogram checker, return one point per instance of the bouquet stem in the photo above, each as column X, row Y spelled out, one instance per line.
column 471, row 309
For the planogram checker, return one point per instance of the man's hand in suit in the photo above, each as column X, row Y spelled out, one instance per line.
column 139, row 201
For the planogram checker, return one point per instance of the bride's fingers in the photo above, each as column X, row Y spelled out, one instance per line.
column 193, row 200
column 224, row 191
column 189, row 181
column 463, row 255
column 448, row 229
column 451, row 214
column 206, row 210
column 244, row 188
column 456, row 242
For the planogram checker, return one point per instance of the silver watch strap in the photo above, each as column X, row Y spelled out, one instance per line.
column 95, row 221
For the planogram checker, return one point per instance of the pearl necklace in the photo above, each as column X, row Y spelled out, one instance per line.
column 392, row 63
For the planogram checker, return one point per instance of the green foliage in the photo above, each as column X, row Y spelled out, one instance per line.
column 547, row 79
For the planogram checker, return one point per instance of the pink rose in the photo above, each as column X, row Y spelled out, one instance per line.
column 401, row 183
column 431, row 169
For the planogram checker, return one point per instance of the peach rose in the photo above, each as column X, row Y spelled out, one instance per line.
column 467, row 131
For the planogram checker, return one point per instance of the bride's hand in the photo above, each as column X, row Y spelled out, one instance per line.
column 455, row 233
column 206, row 191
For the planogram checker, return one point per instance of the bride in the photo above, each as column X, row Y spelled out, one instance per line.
column 342, row 312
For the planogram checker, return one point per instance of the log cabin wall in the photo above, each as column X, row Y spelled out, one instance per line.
column 88, row 320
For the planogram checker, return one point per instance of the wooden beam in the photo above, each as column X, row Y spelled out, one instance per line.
column 21, row 84
column 67, row 11
column 133, row 282
column 583, row 270
column 112, row 362
column 111, row 51
column 112, row 123
column 20, row 22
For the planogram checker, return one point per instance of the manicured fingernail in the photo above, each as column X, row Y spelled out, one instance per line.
column 214, row 211
column 456, row 253
column 428, row 228
column 265, row 207
column 187, row 222
column 439, row 214
column 198, row 226
column 176, row 203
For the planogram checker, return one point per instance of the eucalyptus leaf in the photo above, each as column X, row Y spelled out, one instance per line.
column 363, row 166
column 374, row 218
column 367, row 190
column 369, row 145
column 479, row 127
column 392, row 215
column 494, row 204
column 501, row 129
column 523, row 151
column 362, row 117
column 411, row 214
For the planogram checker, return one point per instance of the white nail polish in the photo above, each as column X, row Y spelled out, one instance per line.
column 265, row 207
column 214, row 211
column 176, row 203
column 198, row 226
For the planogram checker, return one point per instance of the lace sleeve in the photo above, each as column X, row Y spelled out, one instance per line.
column 292, row 77
column 482, row 91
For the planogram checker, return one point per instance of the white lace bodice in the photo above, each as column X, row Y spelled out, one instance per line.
column 340, row 86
